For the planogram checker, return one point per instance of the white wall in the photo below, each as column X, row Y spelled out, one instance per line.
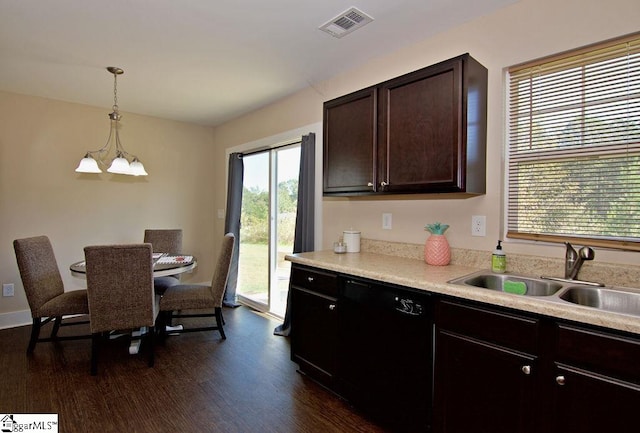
column 523, row 31
column 41, row 143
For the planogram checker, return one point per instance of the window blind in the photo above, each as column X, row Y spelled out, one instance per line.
column 574, row 147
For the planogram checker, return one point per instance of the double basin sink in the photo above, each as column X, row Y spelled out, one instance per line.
column 620, row 300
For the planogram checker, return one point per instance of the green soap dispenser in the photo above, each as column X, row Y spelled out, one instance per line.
column 498, row 260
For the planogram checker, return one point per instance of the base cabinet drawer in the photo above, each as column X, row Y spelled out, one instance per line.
column 314, row 280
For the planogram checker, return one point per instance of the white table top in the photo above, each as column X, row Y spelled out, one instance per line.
column 164, row 264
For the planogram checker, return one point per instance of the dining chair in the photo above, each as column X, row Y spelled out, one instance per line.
column 120, row 293
column 164, row 241
column 43, row 285
column 189, row 297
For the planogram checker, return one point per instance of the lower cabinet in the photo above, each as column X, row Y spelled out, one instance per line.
column 498, row 371
column 418, row 362
column 314, row 323
column 371, row 344
column 485, row 376
column 595, row 381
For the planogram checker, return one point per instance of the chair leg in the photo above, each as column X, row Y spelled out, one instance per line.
column 168, row 318
column 56, row 326
column 95, row 343
column 219, row 321
column 152, row 348
column 164, row 318
column 35, row 334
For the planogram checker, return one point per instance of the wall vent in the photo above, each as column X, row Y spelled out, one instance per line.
column 346, row 22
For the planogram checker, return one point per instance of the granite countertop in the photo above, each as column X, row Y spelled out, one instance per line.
column 417, row 274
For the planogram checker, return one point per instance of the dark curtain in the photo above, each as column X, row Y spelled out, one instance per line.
column 232, row 224
column 305, row 221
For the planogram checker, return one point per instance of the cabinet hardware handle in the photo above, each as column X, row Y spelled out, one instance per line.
column 560, row 380
column 370, row 184
column 310, row 279
column 332, row 307
column 526, row 369
column 383, row 183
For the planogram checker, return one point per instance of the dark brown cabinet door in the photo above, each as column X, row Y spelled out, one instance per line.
column 480, row 387
column 314, row 323
column 350, row 134
column 590, row 403
column 314, row 333
column 486, row 369
column 420, row 146
column 595, row 386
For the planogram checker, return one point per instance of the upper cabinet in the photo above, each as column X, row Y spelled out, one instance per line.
column 350, row 137
column 423, row 132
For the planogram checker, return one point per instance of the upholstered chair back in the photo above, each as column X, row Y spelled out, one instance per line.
column 120, row 286
column 221, row 274
column 38, row 270
column 164, row 240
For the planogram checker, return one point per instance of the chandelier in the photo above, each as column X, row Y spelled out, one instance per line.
column 123, row 162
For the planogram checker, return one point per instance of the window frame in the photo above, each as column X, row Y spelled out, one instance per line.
column 512, row 220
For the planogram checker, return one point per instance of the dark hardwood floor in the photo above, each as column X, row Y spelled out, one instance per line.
column 246, row 383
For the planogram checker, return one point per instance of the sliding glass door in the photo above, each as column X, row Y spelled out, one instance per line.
column 269, row 201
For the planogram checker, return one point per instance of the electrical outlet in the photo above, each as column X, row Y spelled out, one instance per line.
column 478, row 225
column 386, row 221
column 8, row 290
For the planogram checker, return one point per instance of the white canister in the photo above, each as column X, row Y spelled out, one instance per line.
column 352, row 239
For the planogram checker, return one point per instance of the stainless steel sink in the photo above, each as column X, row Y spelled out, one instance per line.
column 622, row 300
column 489, row 280
column 609, row 299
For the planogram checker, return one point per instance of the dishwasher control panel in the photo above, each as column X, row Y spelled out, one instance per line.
column 409, row 306
column 380, row 297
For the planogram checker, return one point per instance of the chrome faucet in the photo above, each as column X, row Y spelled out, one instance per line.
column 574, row 260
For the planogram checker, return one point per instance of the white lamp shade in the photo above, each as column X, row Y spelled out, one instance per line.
column 137, row 169
column 119, row 165
column 88, row 165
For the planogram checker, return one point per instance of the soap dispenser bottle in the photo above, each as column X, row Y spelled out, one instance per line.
column 498, row 260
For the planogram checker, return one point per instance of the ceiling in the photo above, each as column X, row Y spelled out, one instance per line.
column 201, row 61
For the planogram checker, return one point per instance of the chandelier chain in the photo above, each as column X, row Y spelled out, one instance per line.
column 115, row 93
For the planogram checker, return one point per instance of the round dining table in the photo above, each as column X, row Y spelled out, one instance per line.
column 164, row 264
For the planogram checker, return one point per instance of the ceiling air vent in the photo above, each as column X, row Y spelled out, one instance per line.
column 346, row 22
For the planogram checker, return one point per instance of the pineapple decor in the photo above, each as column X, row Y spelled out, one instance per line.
column 436, row 249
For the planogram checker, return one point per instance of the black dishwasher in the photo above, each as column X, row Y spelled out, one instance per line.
column 386, row 346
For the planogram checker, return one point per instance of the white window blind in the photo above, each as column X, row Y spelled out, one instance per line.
column 574, row 147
